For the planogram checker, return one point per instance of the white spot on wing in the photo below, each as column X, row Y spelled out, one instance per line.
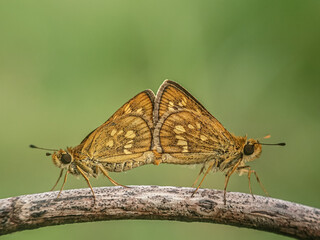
column 203, row 138
column 113, row 132
column 180, row 137
column 182, row 142
column 126, row 151
column 130, row 134
column 179, row 129
column 110, row 143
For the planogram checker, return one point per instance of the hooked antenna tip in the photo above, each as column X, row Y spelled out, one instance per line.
column 274, row 144
column 49, row 149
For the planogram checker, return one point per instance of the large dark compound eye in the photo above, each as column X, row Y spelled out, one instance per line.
column 65, row 158
column 248, row 149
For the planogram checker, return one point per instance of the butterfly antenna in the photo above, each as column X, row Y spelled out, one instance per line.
column 47, row 149
column 275, row 144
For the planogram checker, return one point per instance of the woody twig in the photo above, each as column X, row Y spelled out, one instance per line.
column 159, row 203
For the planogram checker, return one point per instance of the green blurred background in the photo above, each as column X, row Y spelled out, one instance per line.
column 66, row 66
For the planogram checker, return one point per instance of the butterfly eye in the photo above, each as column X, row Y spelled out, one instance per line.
column 248, row 149
column 65, row 158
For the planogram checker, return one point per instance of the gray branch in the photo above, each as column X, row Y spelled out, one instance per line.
column 161, row 203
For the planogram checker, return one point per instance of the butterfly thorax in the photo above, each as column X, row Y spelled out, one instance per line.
column 228, row 153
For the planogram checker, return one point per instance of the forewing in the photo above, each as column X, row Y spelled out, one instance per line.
column 184, row 128
column 124, row 136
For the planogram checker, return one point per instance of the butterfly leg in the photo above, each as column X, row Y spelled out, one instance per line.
column 208, row 170
column 110, row 179
column 201, row 171
column 228, row 174
column 261, row 185
column 64, row 182
column 57, row 180
column 248, row 170
column 88, row 182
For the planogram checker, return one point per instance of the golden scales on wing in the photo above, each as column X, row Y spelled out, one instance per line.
column 186, row 133
column 172, row 128
column 121, row 143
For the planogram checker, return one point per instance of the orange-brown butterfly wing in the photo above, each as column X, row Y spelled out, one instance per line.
column 127, row 135
column 185, row 132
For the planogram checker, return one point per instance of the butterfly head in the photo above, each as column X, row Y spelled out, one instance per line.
column 251, row 150
column 62, row 158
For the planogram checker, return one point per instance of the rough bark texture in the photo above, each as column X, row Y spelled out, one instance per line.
column 164, row 203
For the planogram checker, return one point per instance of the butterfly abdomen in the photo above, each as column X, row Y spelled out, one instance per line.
column 123, row 166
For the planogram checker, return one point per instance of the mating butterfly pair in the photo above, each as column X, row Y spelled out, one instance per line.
column 171, row 127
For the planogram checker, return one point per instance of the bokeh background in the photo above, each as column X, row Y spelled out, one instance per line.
column 66, row 66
